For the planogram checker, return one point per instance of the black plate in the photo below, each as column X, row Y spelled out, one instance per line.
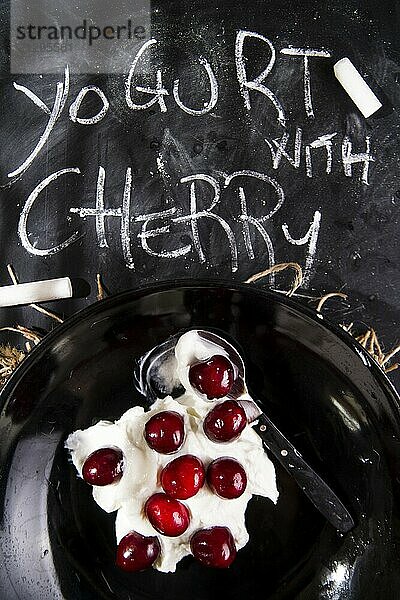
column 321, row 388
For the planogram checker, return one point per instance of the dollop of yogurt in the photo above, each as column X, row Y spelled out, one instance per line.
column 142, row 466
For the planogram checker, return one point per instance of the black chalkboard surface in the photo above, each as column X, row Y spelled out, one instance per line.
column 255, row 156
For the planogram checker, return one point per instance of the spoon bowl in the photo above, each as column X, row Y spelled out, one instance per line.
column 147, row 374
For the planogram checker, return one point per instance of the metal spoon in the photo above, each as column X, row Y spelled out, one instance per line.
column 150, row 382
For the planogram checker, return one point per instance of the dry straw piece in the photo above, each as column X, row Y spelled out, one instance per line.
column 101, row 290
column 368, row 340
column 29, row 334
column 323, row 299
column 298, row 280
column 10, row 358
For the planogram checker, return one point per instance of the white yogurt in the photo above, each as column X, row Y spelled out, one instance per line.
column 142, row 466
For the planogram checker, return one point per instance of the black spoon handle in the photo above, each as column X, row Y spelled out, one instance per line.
column 320, row 494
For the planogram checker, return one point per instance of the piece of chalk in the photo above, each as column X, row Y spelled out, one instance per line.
column 35, row 291
column 358, row 90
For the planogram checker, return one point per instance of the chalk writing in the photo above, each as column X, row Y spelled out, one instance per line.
column 146, row 233
column 281, row 149
column 257, row 83
column 58, row 106
column 159, row 92
column 32, row 96
column 74, row 108
column 325, row 141
column 305, row 53
column 350, row 159
column 23, row 221
column 311, row 237
column 241, row 218
column 169, row 217
column 208, row 106
column 195, row 215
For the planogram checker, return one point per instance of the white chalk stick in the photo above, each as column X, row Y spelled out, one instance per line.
column 358, row 90
column 35, row 291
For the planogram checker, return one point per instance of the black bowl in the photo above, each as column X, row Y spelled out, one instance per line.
column 319, row 386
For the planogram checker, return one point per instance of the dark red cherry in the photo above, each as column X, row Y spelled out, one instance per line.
column 104, row 466
column 214, row 547
column 212, row 377
column 183, row 477
column 226, row 477
column 225, row 422
column 165, row 432
column 167, row 515
column 136, row 552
